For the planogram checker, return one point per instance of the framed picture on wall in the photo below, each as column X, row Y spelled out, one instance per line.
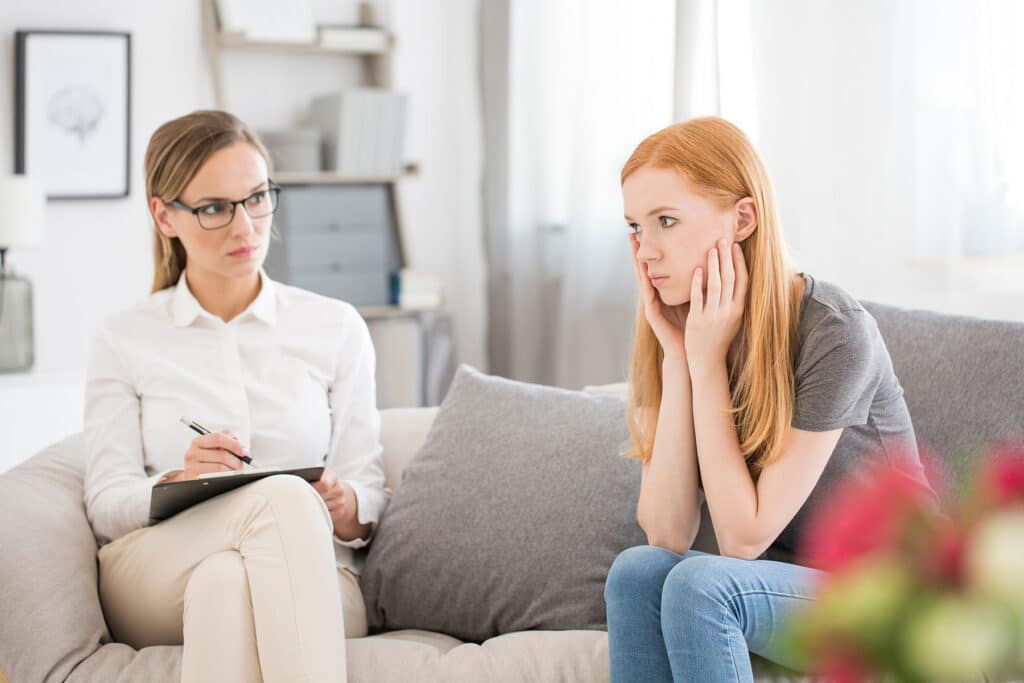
column 73, row 111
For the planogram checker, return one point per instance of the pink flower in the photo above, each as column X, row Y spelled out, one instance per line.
column 943, row 556
column 1003, row 476
column 843, row 667
column 867, row 513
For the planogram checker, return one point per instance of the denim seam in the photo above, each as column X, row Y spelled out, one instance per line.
column 731, row 600
column 776, row 594
column 732, row 655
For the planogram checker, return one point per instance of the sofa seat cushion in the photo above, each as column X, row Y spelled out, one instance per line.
column 426, row 657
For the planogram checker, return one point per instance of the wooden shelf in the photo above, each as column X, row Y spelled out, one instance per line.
column 329, row 178
column 375, row 59
column 378, row 312
column 384, row 312
column 235, row 41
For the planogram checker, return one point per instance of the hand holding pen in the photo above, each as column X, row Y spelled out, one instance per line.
column 210, row 452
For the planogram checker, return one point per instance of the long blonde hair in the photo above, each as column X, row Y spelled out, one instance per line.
column 174, row 155
column 717, row 158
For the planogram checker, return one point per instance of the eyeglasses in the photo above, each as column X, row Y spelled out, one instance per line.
column 216, row 215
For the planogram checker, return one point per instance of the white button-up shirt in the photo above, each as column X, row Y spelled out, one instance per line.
column 292, row 376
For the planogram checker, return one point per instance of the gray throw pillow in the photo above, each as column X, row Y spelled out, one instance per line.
column 509, row 516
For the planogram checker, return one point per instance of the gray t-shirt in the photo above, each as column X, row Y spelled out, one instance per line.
column 845, row 379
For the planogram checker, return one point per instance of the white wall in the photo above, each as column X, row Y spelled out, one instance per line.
column 437, row 63
column 871, row 190
column 96, row 255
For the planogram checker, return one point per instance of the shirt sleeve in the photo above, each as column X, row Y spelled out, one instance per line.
column 837, row 372
column 355, row 450
column 117, row 489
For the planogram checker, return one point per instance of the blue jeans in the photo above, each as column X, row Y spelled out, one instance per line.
column 696, row 617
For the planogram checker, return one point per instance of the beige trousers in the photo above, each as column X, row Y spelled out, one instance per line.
column 247, row 581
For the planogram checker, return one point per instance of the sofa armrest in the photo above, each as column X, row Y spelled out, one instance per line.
column 402, row 432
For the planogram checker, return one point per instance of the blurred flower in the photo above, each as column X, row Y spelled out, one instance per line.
column 844, row 667
column 995, row 557
column 1003, row 476
column 866, row 514
column 957, row 639
column 864, row 603
column 941, row 555
column 913, row 594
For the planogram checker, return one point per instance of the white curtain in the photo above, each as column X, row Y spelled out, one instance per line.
column 892, row 131
column 586, row 82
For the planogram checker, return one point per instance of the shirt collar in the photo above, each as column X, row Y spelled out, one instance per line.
column 185, row 307
column 264, row 306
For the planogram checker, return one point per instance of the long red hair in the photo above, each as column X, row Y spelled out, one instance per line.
column 718, row 159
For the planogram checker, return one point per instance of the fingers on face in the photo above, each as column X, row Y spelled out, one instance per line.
column 727, row 273
column 742, row 277
column 714, row 278
column 725, row 257
column 696, row 295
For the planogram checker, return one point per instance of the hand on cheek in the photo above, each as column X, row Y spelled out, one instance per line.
column 717, row 298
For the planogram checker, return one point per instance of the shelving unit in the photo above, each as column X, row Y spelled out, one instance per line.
column 376, row 63
column 376, row 73
column 328, row 178
column 331, row 235
column 238, row 41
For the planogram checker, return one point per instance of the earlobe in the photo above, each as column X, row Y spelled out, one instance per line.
column 165, row 229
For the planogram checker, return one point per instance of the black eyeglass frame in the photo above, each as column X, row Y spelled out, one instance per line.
column 275, row 191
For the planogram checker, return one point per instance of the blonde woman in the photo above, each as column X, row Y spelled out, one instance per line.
column 753, row 386
column 259, row 583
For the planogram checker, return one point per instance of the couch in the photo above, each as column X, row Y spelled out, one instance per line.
column 964, row 384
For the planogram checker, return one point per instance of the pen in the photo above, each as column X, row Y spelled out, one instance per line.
column 200, row 429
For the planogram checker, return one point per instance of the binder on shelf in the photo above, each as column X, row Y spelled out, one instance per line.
column 419, row 290
column 363, row 131
column 260, row 21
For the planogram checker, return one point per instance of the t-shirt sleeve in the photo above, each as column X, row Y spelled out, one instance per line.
column 837, row 372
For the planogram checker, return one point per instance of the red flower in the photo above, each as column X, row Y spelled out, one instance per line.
column 868, row 512
column 943, row 556
column 843, row 667
column 1003, row 476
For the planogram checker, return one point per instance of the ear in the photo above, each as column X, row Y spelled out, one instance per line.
column 746, row 218
column 161, row 215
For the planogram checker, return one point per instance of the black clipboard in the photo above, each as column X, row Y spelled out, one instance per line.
column 170, row 498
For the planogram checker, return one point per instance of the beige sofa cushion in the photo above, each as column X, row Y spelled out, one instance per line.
column 402, row 432
column 434, row 658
